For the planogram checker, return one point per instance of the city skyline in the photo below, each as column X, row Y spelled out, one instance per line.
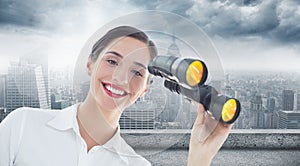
column 262, row 96
column 270, row 92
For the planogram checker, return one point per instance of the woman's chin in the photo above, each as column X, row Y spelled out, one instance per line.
column 113, row 107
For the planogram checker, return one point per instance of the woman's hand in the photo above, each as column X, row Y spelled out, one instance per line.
column 207, row 137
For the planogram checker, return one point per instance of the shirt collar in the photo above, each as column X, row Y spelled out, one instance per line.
column 118, row 145
column 65, row 119
column 115, row 141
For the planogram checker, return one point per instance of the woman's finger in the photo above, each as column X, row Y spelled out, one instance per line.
column 220, row 134
column 198, row 124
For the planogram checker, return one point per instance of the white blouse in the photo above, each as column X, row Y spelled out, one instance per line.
column 36, row 137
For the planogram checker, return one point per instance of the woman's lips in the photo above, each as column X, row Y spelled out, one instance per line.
column 113, row 90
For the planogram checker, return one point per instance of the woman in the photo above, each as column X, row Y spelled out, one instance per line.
column 88, row 133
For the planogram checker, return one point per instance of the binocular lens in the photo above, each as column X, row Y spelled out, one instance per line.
column 229, row 110
column 194, row 73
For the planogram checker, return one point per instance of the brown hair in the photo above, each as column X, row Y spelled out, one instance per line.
column 121, row 31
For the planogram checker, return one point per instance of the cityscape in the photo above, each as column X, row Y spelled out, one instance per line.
column 269, row 100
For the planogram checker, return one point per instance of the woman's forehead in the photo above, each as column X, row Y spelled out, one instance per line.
column 129, row 48
column 129, row 44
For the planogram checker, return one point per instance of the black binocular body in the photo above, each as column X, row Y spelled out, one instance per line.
column 187, row 77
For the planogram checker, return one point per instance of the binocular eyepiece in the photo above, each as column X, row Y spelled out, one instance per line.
column 190, row 72
column 187, row 77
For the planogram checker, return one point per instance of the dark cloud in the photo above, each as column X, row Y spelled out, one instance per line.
column 35, row 13
column 176, row 6
column 235, row 19
column 275, row 19
column 288, row 13
column 12, row 13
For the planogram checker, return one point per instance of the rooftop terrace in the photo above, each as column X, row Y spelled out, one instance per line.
column 243, row 147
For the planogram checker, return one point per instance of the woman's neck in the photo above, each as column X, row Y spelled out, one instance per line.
column 96, row 126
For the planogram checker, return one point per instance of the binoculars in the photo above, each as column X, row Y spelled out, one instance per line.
column 187, row 77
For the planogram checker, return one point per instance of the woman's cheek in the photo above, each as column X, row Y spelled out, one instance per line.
column 138, row 84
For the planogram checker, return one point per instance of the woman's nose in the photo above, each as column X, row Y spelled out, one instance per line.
column 121, row 76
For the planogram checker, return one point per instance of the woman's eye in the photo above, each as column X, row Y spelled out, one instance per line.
column 112, row 62
column 137, row 73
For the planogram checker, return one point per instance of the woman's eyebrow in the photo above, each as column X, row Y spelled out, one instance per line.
column 139, row 64
column 115, row 53
column 119, row 55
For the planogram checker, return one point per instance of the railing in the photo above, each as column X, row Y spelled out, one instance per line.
column 238, row 139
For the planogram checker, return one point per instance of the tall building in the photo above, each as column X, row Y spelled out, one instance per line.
column 2, row 90
column 298, row 101
column 289, row 120
column 173, row 49
column 41, row 60
column 25, row 87
column 271, row 104
column 270, row 114
column 295, row 101
column 288, row 100
column 140, row 115
column 58, row 103
column 269, row 121
column 257, row 113
column 227, row 79
column 3, row 113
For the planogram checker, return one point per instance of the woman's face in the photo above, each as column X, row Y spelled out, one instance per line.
column 119, row 76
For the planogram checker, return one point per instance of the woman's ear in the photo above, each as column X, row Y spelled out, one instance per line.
column 89, row 66
column 145, row 91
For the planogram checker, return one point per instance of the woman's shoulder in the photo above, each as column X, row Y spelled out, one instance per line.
column 132, row 157
column 26, row 114
column 32, row 114
column 28, row 111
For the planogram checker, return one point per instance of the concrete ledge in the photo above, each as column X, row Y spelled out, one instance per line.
column 238, row 139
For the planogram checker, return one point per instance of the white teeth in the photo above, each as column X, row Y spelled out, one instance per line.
column 115, row 91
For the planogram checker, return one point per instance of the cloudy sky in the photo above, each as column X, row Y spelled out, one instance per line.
column 255, row 35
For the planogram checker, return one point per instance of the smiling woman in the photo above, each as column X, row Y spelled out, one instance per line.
column 88, row 133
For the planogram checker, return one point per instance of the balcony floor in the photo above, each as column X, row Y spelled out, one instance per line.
column 174, row 157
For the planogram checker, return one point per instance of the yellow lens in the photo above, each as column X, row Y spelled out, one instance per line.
column 229, row 110
column 194, row 73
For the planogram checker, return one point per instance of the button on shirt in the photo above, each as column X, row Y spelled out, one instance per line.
column 36, row 137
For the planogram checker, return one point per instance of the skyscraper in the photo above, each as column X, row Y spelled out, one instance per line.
column 141, row 115
column 2, row 113
column 289, row 120
column 2, row 90
column 25, row 86
column 298, row 101
column 271, row 104
column 270, row 114
column 173, row 49
column 288, row 100
column 257, row 114
column 41, row 60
